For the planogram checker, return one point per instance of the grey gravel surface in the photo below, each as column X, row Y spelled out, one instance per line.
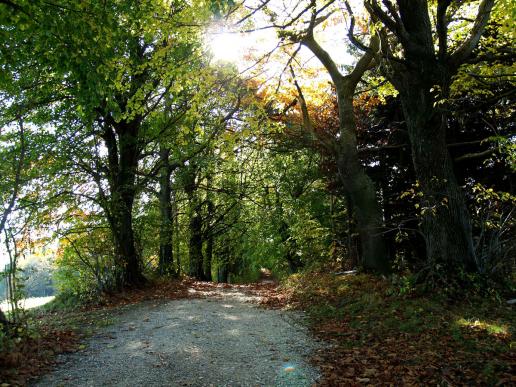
column 222, row 340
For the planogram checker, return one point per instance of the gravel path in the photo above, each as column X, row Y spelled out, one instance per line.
column 222, row 340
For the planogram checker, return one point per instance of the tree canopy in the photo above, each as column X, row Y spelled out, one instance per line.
column 134, row 153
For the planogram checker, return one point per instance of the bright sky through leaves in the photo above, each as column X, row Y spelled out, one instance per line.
column 228, row 45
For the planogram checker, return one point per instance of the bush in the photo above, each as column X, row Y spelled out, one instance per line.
column 495, row 226
column 85, row 266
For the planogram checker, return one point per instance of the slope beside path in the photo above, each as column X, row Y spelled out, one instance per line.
column 222, row 339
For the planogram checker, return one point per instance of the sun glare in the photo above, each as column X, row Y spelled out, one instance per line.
column 227, row 46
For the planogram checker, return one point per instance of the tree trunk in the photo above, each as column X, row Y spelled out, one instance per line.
column 209, row 242
column 166, row 258
column 352, row 245
column 208, row 258
column 446, row 223
column 209, row 228
column 223, row 259
column 222, row 273
column 360, row 188
column 4, row 323
column 355, row 182
column 122, row 166
column 176, row 232
column 195, row 246
column 427, row 63
column 196, row 238
column 125, row 249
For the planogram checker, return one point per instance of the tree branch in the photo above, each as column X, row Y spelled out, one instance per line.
column 351, row 36
column 464, row 51
column 17, row 178
column 442, row 27
column 325, row 58
column 365, row 62
column 477, row 155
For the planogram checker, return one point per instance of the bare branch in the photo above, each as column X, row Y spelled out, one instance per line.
column 253, row 12
column 304, row 109
column 464, row 51
column 351, row 29
column 472, row 156
column 17, row 178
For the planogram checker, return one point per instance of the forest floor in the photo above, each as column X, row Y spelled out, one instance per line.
column 378, row 333
column 366, row 333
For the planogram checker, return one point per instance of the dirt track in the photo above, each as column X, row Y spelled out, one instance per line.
column 219, row 340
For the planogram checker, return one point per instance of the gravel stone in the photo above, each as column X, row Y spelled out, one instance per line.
column 223, row 340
